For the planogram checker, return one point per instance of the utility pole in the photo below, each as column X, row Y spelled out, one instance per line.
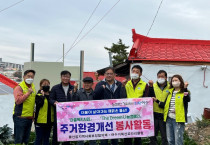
column 110, row 59
column 81, row 67
column 32, row 52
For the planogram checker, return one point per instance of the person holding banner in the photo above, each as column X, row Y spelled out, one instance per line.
column 84, row 94
column 175, row 110
column 44, row 114
column 159, row 91
column 109, row 88
column 135, row 88
column 61, row 93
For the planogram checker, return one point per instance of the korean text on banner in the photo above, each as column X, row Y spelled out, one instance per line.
column 105, row 119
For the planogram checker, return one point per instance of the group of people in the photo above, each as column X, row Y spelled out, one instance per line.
column 170, row 104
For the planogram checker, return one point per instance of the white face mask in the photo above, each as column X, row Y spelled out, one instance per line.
column 161, row 81
column 176, row 84
column 134, row 76
column 29, row 81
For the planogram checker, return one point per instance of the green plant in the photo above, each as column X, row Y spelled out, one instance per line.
column 188, row 140
column 119, row 52
column 5, row 135
column 32, row 138
column 145, row 141
column 202, row 123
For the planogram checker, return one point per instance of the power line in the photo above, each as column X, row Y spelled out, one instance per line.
column 154, row 18
column 150, row 26
column 92, row 27
column 84, row 26
column 11, row 6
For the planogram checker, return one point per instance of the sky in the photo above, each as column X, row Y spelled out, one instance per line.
column 50, row 23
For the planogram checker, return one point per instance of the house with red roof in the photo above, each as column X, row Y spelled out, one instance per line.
column 189, row 58
column 173, row 51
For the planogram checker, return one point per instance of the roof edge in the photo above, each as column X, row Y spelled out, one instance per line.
column 166, row 60
column 145, row 39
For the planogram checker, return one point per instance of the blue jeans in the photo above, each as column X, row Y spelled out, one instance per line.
column 22, row 129
column 42, row 135
column 175, row 131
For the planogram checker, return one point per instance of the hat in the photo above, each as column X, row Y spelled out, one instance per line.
column 88, row 79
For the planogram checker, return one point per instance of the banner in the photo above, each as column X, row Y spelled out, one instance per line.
column 105, row 119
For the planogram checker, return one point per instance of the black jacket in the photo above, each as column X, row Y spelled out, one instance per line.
column 105, row 93
column 39, row 100
column 57, row 94
column 81, row 95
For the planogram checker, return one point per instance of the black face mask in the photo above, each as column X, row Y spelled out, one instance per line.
column 46, row 88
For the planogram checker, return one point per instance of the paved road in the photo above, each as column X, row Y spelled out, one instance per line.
column 4, row 89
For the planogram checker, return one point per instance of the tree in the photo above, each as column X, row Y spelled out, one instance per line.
column 5, row 135
column 18, row 74
column 119, row 52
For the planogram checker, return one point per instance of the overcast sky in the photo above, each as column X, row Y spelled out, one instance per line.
column 50, row 23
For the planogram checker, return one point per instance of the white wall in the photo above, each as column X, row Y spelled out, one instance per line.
column 75, row 72
column 200, row 96
column 50, row 71
column 45, row 70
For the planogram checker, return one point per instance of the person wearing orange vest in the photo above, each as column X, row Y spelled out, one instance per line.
column 159, row 91
column 23, row 114
column 135, row 88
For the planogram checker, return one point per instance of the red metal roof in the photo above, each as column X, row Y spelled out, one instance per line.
column 164, row 49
